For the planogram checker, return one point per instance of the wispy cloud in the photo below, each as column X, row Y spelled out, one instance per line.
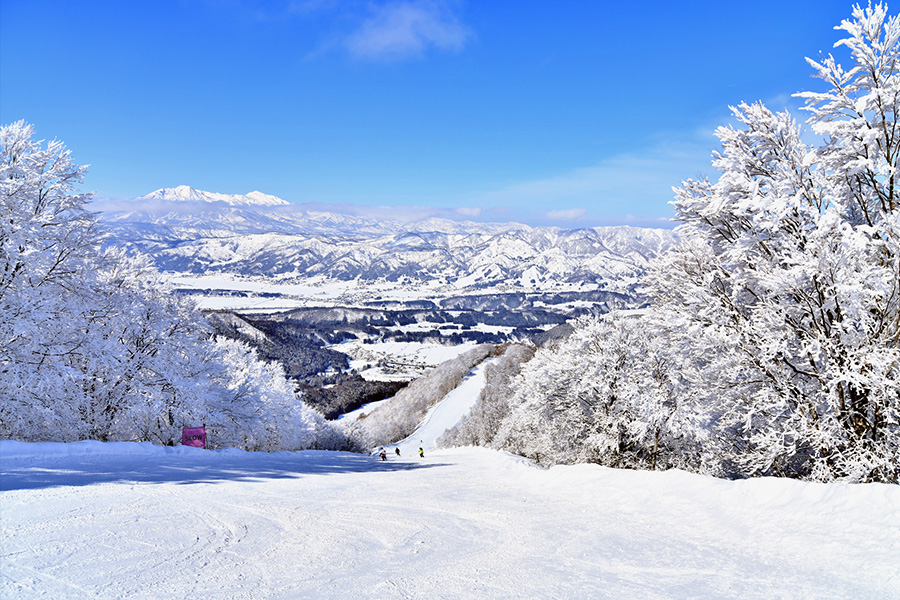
column 571, row 214
column 368, row 30
column 625, row 187
column 407, row 29
column 471, row 212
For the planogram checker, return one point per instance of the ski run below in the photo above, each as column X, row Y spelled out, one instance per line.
column 448, row 412
column 133, row 520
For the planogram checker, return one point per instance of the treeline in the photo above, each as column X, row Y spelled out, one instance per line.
column 347, row 392
column 299, row 349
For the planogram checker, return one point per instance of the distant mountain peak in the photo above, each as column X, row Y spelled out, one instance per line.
column 185, row 193
column 266, row 199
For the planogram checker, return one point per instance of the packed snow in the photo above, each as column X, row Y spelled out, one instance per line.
column 133, row 520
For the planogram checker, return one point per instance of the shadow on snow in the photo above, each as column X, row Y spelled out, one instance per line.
column 38, row 472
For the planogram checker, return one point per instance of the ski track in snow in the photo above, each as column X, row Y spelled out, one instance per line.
column 127, row 520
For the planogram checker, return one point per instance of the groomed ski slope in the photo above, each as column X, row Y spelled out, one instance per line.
column 124, row 520
column 127, row 520
column 445, row 414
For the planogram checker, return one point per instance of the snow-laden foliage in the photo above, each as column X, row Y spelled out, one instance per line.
column 93, row 345
column 776, row 323
column 607, row 394
column 791, row 271
column 400, row 415
column 261, row 411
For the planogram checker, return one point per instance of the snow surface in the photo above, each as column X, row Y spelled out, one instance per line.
column 128, row 520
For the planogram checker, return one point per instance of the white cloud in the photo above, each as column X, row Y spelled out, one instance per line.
column 372, row 30
column 468, row 211
column 571, row 214
column 406, row 29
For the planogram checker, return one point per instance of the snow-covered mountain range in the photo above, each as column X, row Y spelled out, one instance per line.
column 187, row 231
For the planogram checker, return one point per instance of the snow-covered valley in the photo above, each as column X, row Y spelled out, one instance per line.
column 382, row 292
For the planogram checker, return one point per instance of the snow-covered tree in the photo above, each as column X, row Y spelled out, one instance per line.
column 93, row 344
column 790, row 275
column 47, row 239
column 259, row 410
column 46, row 234
column 607, row 394
column 774, row 333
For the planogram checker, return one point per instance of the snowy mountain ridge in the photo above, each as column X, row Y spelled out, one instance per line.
column 184, row 193
column 289, row 244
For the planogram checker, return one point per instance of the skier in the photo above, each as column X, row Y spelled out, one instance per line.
column 397, row 450
column 383, row 454
column 421, row 453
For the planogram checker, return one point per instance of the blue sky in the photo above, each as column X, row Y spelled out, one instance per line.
column 570, row 113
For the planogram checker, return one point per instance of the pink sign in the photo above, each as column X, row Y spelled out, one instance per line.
column 194, row 436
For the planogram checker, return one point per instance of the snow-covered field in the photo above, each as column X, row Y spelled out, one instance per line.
column 125, row 520
column 394, row 360
column 272, row 295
